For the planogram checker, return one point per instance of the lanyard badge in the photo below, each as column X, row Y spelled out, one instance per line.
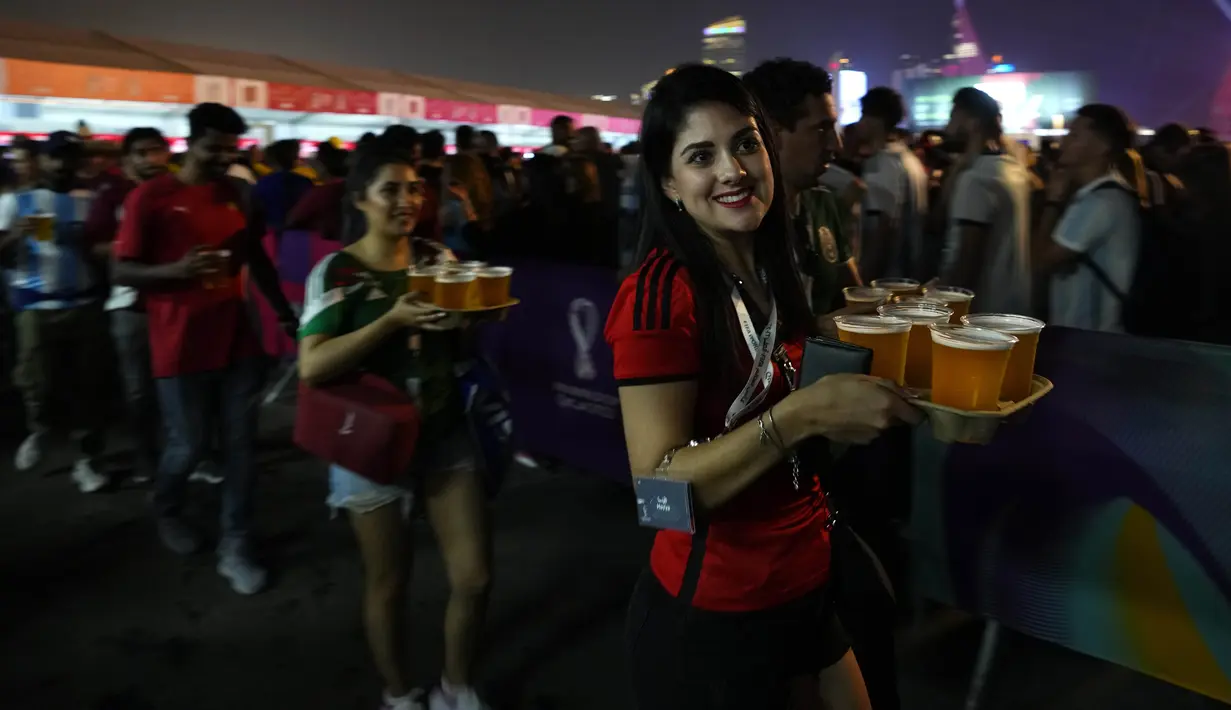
column 761, row 347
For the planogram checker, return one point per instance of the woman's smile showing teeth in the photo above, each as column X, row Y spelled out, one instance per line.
column 737, row 198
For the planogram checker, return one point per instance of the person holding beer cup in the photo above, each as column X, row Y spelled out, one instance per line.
column 707, row 335
column 56, row 293
column 360, row 315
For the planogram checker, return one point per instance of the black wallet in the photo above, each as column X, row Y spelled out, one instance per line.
column 826, row 356
column 822, row 357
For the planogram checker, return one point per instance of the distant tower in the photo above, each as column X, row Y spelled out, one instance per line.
column 966, row 59
column 722, row 45
column 1220, row 108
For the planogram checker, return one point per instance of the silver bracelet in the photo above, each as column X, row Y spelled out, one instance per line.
column 791, row 457
column 661, row 471
column 774, row 425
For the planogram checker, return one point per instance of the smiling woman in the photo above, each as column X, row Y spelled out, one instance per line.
column 707, row 336
column 359, row 316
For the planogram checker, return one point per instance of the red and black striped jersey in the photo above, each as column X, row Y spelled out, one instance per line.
column 768, row 545
column 652, row 328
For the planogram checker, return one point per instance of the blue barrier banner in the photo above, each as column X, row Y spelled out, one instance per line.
column 1099, row 523
column 552, row 357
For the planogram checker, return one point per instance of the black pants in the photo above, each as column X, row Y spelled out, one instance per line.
column 684, row 658
column 871, row 485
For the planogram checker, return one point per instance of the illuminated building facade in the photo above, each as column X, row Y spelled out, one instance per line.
column 723, row 45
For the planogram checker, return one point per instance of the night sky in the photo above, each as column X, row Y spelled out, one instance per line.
column 1159, row 59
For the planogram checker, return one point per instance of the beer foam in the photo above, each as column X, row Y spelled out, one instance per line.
column 1004, row 322
column 964, row 337
column 934, row 300
column 895, row 284
column 949, row 296
column 917, row 312
column 454, row 277
column 866, row 293
column 872, row 325
column 495, row 272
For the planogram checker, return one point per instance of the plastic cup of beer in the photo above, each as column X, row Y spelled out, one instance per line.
column 919, row 353
column 868, row 296
column 217, row 277
column 923, row 299
column 454, row 290
column 898, row 286
column 968, row 366
column 43, row 227
column 472, row 265
column 885, row 336
column 1019, row 376
column 494, row 285
column 955, row 297
column 423, row 280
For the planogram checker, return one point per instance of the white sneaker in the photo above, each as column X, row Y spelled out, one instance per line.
column 525, row 459
column 410, row 701
column 456, row 699
column 30, row 453
column 235, row 563
column 88, row 480
column 206, row 472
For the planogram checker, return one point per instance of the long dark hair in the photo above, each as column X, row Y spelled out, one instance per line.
column 370, row 158
column 663, row 226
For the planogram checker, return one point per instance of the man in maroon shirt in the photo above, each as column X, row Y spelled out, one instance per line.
column 144, row 153
column 320, row 210
column 183, row 241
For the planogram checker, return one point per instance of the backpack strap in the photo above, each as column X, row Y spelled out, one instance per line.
column 1103, row 278
column 1088, row 262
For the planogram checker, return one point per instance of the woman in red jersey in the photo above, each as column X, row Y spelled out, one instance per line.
column 707, row 335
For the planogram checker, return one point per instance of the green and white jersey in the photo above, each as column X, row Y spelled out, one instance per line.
column 344, row 295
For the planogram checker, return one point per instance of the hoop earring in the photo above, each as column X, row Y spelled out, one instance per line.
column 679, row 204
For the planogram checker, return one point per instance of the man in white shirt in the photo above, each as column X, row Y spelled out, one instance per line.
column 1090, row 232
column 896, row 204
column 55, row 289
column 987, row 245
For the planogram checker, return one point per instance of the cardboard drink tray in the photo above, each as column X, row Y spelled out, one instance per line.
column 952, row 425
column 483, row 309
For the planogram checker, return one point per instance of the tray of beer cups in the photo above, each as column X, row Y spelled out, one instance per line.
column 466, row 287
column 982, row 376
column 970, row 377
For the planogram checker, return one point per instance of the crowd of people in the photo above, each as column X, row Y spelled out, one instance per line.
column 742, row 213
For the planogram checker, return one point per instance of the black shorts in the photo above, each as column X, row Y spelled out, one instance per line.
column 683, row 658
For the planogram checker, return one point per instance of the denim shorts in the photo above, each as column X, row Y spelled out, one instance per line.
column 453, row 451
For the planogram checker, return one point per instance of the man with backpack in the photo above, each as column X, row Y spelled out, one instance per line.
column 1089, row 236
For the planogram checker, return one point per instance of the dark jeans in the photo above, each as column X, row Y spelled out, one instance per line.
column 130, row 333
column 230, row 397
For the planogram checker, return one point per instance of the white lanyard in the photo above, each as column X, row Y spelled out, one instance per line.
column 761, row 349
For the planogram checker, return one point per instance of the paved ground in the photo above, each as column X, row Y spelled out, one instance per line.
column 95, row 616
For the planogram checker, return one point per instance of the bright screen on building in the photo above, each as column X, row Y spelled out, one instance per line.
column 852, row 85
column 1028, row 101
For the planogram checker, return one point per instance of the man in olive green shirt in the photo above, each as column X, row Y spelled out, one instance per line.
column 798, row 99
